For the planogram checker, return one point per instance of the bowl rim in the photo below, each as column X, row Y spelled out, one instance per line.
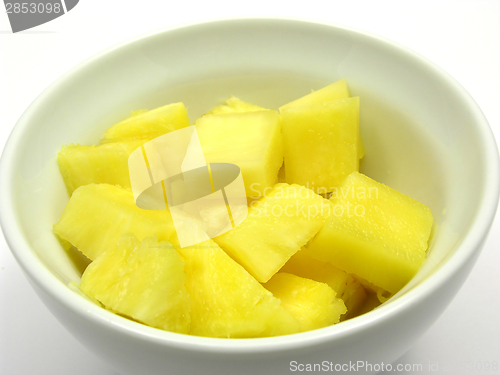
column 52, row 286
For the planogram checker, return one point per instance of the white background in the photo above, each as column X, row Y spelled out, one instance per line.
column 463, row 37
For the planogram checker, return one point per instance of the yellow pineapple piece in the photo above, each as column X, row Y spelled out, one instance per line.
column 335, row 91
column 251, row 140
column 235, row 105
column 348, row 288
column 226, row 301
column 312, row 303
column 148, row 125
column 108, row 163
column 321, row 143
column 276, row 227
column 143, row 281
column 97, row 215
column 374, row 232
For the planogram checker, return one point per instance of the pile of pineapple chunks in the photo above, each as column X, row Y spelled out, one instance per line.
column 322, row 243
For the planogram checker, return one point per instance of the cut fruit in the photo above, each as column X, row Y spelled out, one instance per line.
column 250, row 140
column 148, row 125
column 143, row 281
column 108, row 163
column 335, row 91
column 97, row 215
column 227, row 232
column 321, row 143
column 276, row 227
column 235, row 105
column 374, row 232
column 312, row 303
column 349, row 289
column 226, row 301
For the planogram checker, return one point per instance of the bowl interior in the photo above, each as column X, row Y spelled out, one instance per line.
column 417, row 125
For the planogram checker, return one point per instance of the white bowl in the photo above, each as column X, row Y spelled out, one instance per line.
column 424, row 135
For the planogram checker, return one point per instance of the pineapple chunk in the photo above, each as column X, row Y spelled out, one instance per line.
column 148, row 125
column 276, row 227
column 226, row 301
column 97, row 215
column 235, row 105
column 108, row 163
column 250, row 140
column 312, row 303
column 143, row 281
column 335, row 91
column 374, row 232
column 321, row 143
column 349, row 289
